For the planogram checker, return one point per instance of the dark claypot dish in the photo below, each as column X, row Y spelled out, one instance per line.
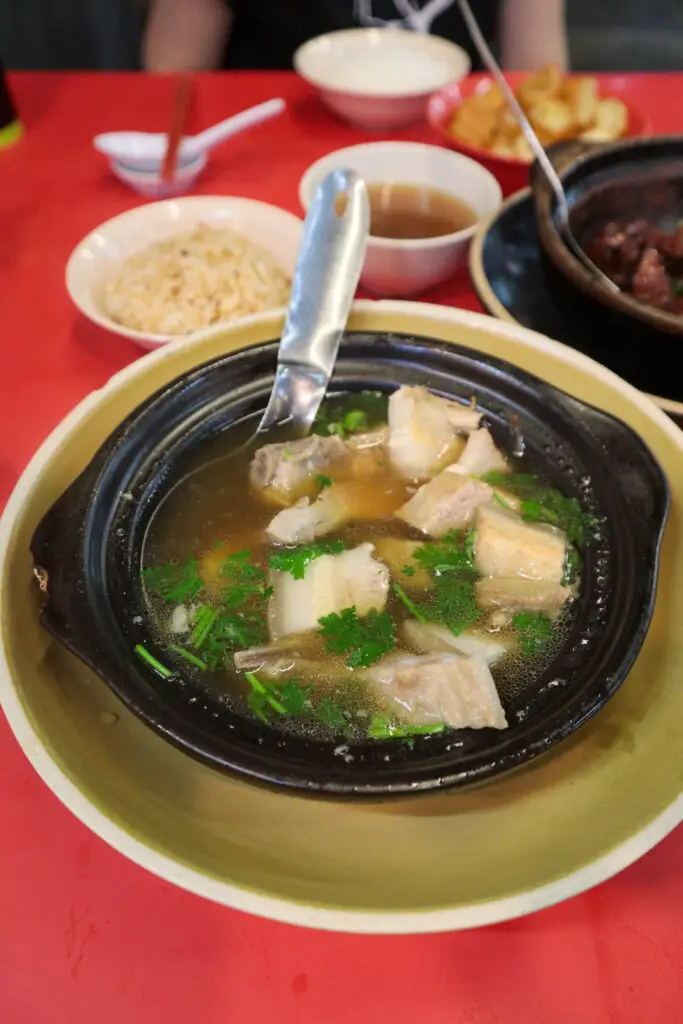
column 625, row 194
column 90, row 549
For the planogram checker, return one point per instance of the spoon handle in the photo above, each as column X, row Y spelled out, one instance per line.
column 240, row 122
column 325, row 279
column 491, row 63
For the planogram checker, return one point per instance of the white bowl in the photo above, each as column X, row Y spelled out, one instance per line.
column 149, row 183
column 379, row 77
column 397, row 266
column 97, row 257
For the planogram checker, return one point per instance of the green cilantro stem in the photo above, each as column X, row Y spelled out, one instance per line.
column 205, row 619
column 143, row 653
column 188, row 656
column 383, row 728
column 257, row 685
column 412, row 608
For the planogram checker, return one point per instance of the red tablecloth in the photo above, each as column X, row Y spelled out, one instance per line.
column 86, row 936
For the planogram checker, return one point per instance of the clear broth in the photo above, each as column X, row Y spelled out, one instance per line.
column 213, row 513
column 404, row 211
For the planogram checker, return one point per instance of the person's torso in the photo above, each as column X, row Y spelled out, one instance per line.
column 267, row 32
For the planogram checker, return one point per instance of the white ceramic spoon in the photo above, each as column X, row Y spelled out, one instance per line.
column 144, row 151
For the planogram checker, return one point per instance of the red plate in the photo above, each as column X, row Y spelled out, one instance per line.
column 512, row 173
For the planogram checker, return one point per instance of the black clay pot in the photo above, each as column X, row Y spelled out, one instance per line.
column 624, row 181
column 89, row 547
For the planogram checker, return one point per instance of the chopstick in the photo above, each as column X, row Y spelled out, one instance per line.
column 176, row 128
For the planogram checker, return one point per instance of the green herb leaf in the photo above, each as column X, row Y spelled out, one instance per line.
column 535, row 630
column 330, row 714
column 295, row 698
column 501, row 501
column 451, row 564
column 454, row 603
column 363, row 640
column 231, row 631
column 544, row 504
column 383, row 728
column 453, row 554
column 408, row 570
column 261, row 698
column 246, row 581
column 323, row 481
column 175, row 584
column 295, row 560
column 354, row 421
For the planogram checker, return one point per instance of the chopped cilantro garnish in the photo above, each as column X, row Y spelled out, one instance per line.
column 246, row 581
column 354, row 421
column 189, row 657
column 363, row 640
column 367, row 408
column 330, row 714
column 295, row 560
column 534, row 630
column 202, row 623
column 143, row 653
column 176, row 584
column 323, row 481
column 454, row 603
column 408, row 570
column 501, row 501
column 383, row 728
column 451, row 564
column 453, row 554
column 294, row 697
column 544, row 504
column 261, row 698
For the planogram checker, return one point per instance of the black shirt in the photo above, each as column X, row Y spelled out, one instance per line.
column 266, row 33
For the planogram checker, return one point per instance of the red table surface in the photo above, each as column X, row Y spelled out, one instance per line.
column 86, row 936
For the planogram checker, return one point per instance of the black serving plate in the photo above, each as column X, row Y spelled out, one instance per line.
column 509, row 277
column 89, row 549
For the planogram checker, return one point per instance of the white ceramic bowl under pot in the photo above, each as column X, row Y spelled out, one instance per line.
column 407, row 266
column 379, row 77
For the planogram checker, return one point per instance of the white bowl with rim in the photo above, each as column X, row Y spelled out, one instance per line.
column 98, row 257
column 407, row 266
column 379, row 77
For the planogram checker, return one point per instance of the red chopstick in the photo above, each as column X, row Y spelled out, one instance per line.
column 176, row 129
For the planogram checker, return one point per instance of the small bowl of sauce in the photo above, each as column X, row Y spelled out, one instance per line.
column 425, row 204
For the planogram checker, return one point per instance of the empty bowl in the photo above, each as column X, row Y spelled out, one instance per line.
column 379, row 78
column 407, row 266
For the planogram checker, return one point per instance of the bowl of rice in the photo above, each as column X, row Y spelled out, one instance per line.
column 167, row 270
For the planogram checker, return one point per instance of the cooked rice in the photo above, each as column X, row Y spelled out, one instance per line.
column 201, row 277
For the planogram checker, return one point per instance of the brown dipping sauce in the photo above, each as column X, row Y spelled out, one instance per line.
column 399, row 210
